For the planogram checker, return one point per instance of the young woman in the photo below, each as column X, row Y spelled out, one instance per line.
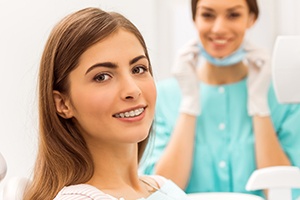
column 97, row 99
column 217, row 123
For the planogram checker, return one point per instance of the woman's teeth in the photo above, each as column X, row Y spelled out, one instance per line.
column 132, row 113
column 220, row 41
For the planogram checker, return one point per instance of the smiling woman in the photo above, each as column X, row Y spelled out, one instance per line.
column 96, row 107
column 117, row 76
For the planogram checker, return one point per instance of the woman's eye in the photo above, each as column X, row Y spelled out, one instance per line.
column 102, row 77
column 139, row 70
column 207, row 15
column 234, row 15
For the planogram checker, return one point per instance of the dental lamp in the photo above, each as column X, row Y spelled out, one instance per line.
column 286, row 69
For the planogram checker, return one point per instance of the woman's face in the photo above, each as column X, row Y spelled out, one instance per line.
column 222, row 24
column 112, row 93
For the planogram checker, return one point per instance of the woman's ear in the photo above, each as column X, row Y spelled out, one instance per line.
column 251, row 20
column 63, row 107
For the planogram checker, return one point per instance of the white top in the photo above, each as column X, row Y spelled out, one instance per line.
column 223, row 196
column 167, row 190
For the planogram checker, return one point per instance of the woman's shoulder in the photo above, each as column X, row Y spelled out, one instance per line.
column 277, row 106
column 81, row 192
column 156, row 181
column 166, row 187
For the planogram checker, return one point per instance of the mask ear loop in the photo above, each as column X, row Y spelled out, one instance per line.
column 154, row 187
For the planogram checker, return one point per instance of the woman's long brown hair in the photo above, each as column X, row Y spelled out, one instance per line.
column 63, row 157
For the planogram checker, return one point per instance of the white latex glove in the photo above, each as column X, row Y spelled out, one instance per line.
column 259, row 79
column 185, row 72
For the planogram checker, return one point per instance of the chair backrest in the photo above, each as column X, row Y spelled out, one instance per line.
column 3, row 167
column 14, row 188
column 278, row 180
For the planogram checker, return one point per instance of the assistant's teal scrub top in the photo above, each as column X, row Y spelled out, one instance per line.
column 224, row 145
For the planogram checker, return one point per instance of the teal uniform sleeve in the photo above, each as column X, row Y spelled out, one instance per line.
column 166, row 114
column 286, row 120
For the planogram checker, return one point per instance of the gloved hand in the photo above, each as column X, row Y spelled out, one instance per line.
column 259, row 79
column 185, row 72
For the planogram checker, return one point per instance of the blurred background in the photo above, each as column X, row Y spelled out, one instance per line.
column 166, row 25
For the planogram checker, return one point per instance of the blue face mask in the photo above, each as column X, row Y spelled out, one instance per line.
column 232, row 59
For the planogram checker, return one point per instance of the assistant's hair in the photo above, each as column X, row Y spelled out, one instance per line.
column 252, row 4
column 63, row 157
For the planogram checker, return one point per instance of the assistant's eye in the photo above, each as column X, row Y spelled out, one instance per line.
column 207, row 15
column 139, row 69
column 102, row 77
column 233, row 15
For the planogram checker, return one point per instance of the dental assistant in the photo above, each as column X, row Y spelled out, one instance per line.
column 218, row 122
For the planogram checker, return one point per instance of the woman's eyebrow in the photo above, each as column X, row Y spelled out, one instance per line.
column 113, row 65
column 104, row 64
column 235, row 8
column 134, row 60
column 229, row 9
column 205, row 8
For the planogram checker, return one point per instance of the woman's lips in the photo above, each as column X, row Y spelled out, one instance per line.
column 130, row 113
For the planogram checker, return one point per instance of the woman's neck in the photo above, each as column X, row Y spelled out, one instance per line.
column 214, row 75
column 116, row 172
column 114, row 163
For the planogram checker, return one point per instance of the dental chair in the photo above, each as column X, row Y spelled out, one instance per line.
column 3, row 167
column 13, row 188
column 279, row 180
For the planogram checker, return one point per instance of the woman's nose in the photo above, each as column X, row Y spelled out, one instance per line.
column 130, row 89
column 219, row 25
